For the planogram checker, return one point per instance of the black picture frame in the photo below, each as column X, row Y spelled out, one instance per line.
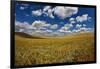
column 12, row 27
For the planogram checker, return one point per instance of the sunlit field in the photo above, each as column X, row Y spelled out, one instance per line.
column 44, row 50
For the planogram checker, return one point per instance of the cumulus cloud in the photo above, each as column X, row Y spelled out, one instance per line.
column 40, row 24
column 89, row 18
column 43, row 25
column 44, row 28
column 25, row 5
column 63, row 29
column 24, row 27
column 63, row 12
column 48, row 11
column 37, row 12
column 75, row 30
column 46, row 8
column 83, row 29
column 55, row 26
column 66, row 28
column 78, row 25
column 22, row 8
column 68, row 25
column 82, row 18
column 60, row 11
column 36, row 27
column 72, row 20
column 20, row 25
column 49, row 31
column 41, row 28
column 84, row 25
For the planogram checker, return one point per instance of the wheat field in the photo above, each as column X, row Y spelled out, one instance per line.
column 71, row 48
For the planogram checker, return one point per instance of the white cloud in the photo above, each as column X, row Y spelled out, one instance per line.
column 75, row 30
column 48, row 11
column 66, row 28
column 37, row 12
column 84, row 25
column 25, row 5
column 38, row 28
column 85, row 17
column 22, row 8
column 82, row 18
column 20, row 25
column 42, row 28
column 43, row 25
column 72, row 20
column 24, row 27
column 55, row 26
column 68, row 25
column 84, row 29
column 63, row 29
column 89, row 18
column 79, row 19
column 60, row 11
column 78, row 25
column 49, row 31
column 40, row 24
column 64, row 12
column 46, row 8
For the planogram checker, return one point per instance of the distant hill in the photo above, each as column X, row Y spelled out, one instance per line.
column 25, row 35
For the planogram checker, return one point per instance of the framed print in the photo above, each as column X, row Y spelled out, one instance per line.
column 50, row 34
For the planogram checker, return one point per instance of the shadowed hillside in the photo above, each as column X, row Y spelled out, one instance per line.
column 25, row 35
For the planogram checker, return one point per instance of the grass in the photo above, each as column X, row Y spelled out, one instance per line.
column 72, row 48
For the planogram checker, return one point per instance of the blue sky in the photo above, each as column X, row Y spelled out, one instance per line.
column 63, row 19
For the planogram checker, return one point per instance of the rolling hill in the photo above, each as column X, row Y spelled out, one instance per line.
column 25, row 35
column 72, row 48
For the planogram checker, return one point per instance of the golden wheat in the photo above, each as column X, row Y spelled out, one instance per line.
column 75, row 48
